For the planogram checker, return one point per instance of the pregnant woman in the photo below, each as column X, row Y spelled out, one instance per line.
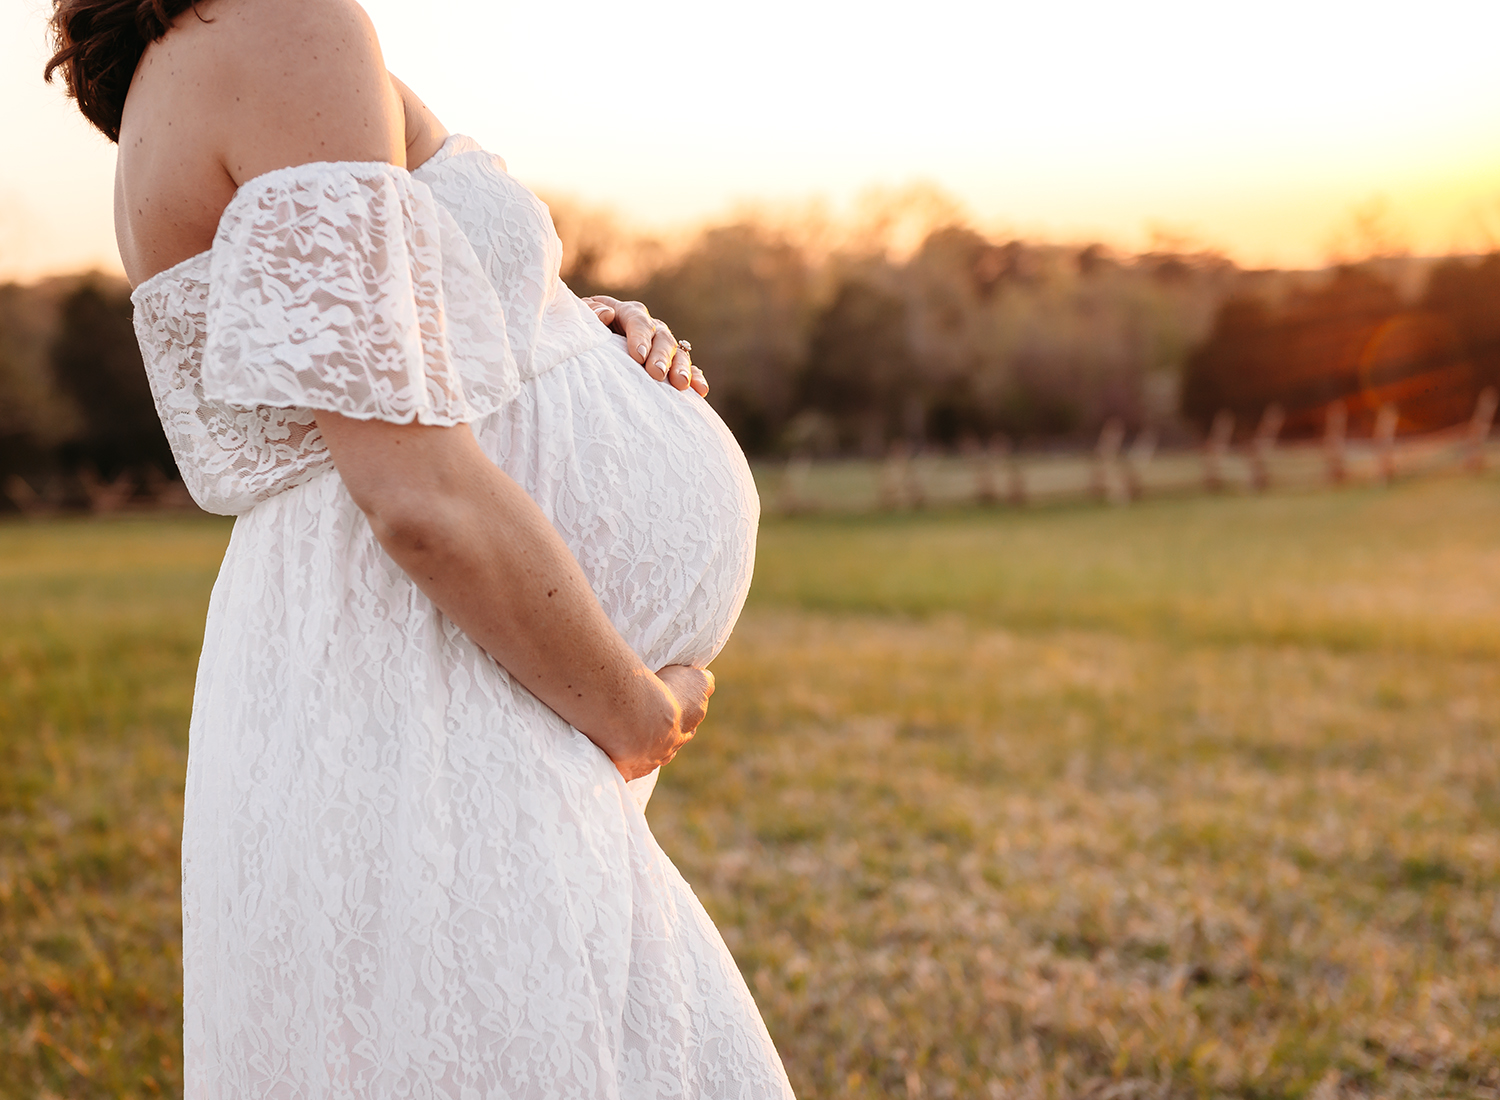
column 469, row 526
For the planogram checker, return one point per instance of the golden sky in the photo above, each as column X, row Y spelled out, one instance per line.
column 1260, row 129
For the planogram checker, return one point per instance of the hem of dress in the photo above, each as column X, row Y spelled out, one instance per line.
column 431, row 420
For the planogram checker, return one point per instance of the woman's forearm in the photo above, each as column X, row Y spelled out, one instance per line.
column 484, row 553
column 492, row 563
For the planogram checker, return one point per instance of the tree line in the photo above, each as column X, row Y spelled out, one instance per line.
column 847, row 351
column 818, row 345
column 1352, row 340
column 75, row 408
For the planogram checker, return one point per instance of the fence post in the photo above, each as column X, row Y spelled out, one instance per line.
column 794, row 484
column 1141, row 452
column 890, row 475
column 899, row 485
column 105, row 497
column 1106, row 455
column 1003, row 452
column 981, row 461
column 164, row 493
column 915, row 488
column 1479, row 427
column 1219, row 435
column 23, row 496
column 1335, row 421
column 1386, row 421
column 1263, row 445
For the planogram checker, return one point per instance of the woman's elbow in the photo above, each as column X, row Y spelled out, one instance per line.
column 409, row 522
column 408, row 480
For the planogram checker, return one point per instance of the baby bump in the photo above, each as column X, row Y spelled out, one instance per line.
column 650, row 491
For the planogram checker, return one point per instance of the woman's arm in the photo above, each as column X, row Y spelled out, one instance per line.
column 484, row 553
column 424, row 133
column 304, row 80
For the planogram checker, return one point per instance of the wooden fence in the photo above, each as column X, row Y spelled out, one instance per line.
column 86, row 491
column 994, row 473
column 1117, row 472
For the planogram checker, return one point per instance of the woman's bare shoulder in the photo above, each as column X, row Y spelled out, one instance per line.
column 424, row 133
column 295, row 81
column 235, row 90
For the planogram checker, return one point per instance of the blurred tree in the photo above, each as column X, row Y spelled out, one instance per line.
column 891, row 223
column 1468, row 295
column 859, row 369
column 1096, row 259
column 909, row 324
column 947, row 284
column 1036, row 340
column 34, row 417
column 1370, row 231
column 1227, row 371
column 742, row 294
column 95, row 360
column 1348, row 340
column 1038, row 400
column 599, row 257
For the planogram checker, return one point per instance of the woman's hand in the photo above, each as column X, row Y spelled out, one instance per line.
column 650, row 342
column 690, row 687
column 487, row 556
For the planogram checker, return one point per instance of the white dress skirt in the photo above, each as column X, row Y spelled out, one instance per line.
column 403, row 875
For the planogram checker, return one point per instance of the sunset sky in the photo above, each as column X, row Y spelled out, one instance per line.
column 1257, row 129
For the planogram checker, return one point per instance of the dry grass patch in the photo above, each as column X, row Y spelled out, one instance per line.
column 1415, row 567
column 100, row 626
column 958, row 861
column 1199, row 798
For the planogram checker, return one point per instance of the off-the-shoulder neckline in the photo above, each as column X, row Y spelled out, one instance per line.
column 443, row 153
column 453, row 145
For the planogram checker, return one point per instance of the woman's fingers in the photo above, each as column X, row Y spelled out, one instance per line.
column 635, row 323
column 603, row 306
column 650, row 343
column 668, row 357
column 691, row 687
column 631, row 320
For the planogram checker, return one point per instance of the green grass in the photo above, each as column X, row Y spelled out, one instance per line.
column 1195, row 798
column 1410, row 568
column 100, row 625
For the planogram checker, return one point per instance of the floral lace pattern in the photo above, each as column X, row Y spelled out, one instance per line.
column 349, row 289
column 402, row 874
column 512, row 233
column 344, row 288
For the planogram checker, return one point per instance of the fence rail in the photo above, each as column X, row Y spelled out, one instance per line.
column 1119, row 473
column 993, row 473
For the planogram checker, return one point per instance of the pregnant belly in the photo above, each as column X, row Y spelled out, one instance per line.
column 649, row 490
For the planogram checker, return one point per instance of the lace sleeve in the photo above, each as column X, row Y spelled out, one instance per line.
column 345, row 287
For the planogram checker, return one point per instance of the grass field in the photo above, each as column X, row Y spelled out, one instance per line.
column 1197, row 798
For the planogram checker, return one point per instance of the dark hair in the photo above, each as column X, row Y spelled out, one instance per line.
column 99, row 43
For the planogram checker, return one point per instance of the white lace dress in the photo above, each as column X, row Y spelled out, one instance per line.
column 403, row 876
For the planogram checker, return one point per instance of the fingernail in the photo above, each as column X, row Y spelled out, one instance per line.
column 642, row 349
column 661, row 365
column 599, row 308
